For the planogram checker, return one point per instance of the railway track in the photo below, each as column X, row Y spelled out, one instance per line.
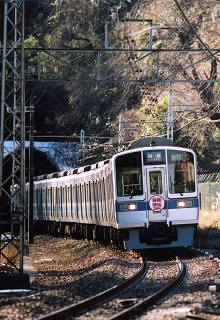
column 136, row 309
column 148, row 302
column 89, row 303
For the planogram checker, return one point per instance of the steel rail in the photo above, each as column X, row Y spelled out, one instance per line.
column 195, row 317
column 140, row 307
column 101, row 297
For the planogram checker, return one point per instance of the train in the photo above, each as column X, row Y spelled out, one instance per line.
column 145, row 197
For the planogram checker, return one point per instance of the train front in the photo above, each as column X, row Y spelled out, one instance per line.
column 156, row 197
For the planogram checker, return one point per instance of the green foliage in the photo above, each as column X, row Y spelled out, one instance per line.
column 48, row 40
column 216, row 134
column 155, row 19
column 75, row 106
column 159, row 44
column 31, row 42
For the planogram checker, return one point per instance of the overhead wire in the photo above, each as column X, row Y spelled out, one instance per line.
column 194, row 31
column 82, row 55
column 200, row 119
column 128, row 89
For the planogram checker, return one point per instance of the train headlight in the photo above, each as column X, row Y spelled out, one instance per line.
column 129, row 206
column 184, row 203
column 132, row 206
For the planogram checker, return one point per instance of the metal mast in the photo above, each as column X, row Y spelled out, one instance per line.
column 13, row 129
column 170, row 116
column 121, row 132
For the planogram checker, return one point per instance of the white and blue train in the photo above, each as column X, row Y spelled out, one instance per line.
column 145, row 197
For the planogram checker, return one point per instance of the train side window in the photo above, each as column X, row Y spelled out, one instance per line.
column 61, row 201
column 34, row 196
column 41, row 199
column 56, row 201
column 108, row 197
column 67, row 195
column 84, row 200
column 26, row 198
column 97, row 197
column 111, row 198
column 100, row 198
column 64, row 201
column 104, row 198
column 70, row 200
column 108, row 194
column 129, row 174
column 89, row 200
column 92, row 213
column 94, row 210
column 80, row 201
column 51, row 201
column 77, row 200
column 45, row 200
column 48, row 196
column 67, row 199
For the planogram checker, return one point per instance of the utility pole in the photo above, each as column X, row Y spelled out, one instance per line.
column 82, row 144
column 170, row 115
column 31, row 175
column 12, row 127
column 149, row 43
column 121, row 132
column 106, row 44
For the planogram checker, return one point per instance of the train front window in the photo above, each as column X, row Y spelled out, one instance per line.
column 129, row 175
column 156, row 182
column 181, row 172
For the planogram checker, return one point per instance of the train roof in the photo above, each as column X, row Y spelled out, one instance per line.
column 176, row 148
column 72, row 171
column 138, row 144
column 151, row 142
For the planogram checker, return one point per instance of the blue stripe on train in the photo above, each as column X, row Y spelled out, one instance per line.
column 170, row 204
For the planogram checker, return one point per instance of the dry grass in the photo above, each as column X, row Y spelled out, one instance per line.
column 10, row 251
column 209, row 219
column 209, row 223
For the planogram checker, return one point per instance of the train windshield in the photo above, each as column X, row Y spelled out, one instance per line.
column 129, row 175
column 181, row 172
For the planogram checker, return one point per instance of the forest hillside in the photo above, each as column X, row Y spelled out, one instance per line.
column 82, row 88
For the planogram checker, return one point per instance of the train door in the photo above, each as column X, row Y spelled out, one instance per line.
column 156, row 194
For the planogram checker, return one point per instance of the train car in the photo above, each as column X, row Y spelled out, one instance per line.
column 144, row 197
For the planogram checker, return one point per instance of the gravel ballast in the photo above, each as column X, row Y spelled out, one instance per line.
column 69, row 271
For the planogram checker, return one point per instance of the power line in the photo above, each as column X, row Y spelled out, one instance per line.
column 194, row 31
